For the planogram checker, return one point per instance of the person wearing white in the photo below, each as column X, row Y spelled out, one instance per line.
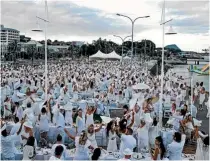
column 174, row 150
column 202, row 96
column 143, row 135
column 15, row 127
column 80, row 125
column 137, row 115
column 89, row 114
column 29, row 152
column 68, row 114
column 127, row 141
column 82, row 145
column 7, row 108
column 7, row 142
column 60, row 122
column 43, row 126
column 111, row 134
column 127, row 155
column 58, row 153
column 29, row 114
column 91, row 135
column 202, row 150
column 18, row 110
column 58, row 143
column 154, row 131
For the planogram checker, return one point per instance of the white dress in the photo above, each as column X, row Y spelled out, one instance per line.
column 44, row 123
column 81, row 150
column 143, row 138
column 89, row 120
column 7, row 112
column 92, row 139
column 202, row 98
column 154, row 131
column 202, row 152
column 112, row 143
column 68, row 117
column 80, row 124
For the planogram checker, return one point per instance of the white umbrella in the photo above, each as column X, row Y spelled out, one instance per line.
column 106, row 119
column 140, row 86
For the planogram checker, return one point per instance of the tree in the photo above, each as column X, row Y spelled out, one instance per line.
column 31, row 50
column 13, row 50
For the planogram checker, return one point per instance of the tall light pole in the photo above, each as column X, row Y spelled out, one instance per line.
column 162, row 63
column 39, row 30
column 132, row 21
column 123, row 40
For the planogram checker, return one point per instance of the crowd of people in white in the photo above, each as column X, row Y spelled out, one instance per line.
column 80, row 92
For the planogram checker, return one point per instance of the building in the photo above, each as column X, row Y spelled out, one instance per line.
column 78, row 43
column 24, row 39
column 8, row 35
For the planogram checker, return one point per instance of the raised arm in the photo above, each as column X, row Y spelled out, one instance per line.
column 69, row 135
column 132, row 121
column 22, row 122
column 99, row 128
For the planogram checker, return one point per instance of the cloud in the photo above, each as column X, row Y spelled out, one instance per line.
column 189, row 16
column 90, row 19
column 66, row 18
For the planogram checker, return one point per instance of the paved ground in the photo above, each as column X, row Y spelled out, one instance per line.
column 201, row 115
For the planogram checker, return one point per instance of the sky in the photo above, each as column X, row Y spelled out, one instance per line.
column 87, row 20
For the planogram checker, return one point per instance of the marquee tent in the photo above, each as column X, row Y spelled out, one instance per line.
column 126, row 58
column 113, row 55
column 98, row 55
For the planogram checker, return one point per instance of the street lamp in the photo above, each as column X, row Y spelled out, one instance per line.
column 123, row 40
column 132, row 21
column 39, row 30
column 162, row 64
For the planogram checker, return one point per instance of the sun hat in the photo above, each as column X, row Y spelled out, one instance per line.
column 127, row 152
column 28, row 124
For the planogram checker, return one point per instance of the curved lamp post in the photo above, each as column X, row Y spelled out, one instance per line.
column 123, row 40
column 132, row 21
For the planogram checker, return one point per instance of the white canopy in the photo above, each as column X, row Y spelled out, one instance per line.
column 98, row 55
column 126, row 58
column 113, row 55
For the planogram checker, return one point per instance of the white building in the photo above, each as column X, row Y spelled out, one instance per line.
column 8, row 35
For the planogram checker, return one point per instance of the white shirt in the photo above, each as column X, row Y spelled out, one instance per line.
column 54, row 158
column 127, row 141
column 8, row 146
column 80, row 124
column 175, row 151
column 29, row 114
column 60, row 120
column 15, row 128
column 64, row 150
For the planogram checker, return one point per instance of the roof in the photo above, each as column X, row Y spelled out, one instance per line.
column 173, row 46
column 33, row 42
column 3, row 28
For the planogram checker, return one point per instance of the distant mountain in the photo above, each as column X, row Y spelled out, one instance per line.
column 173, row 47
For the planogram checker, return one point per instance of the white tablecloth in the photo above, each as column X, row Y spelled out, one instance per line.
column 52, row 134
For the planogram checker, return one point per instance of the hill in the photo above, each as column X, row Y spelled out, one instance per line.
column 173, row 47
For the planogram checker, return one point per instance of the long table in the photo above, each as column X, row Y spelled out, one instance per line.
column 52, row 134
